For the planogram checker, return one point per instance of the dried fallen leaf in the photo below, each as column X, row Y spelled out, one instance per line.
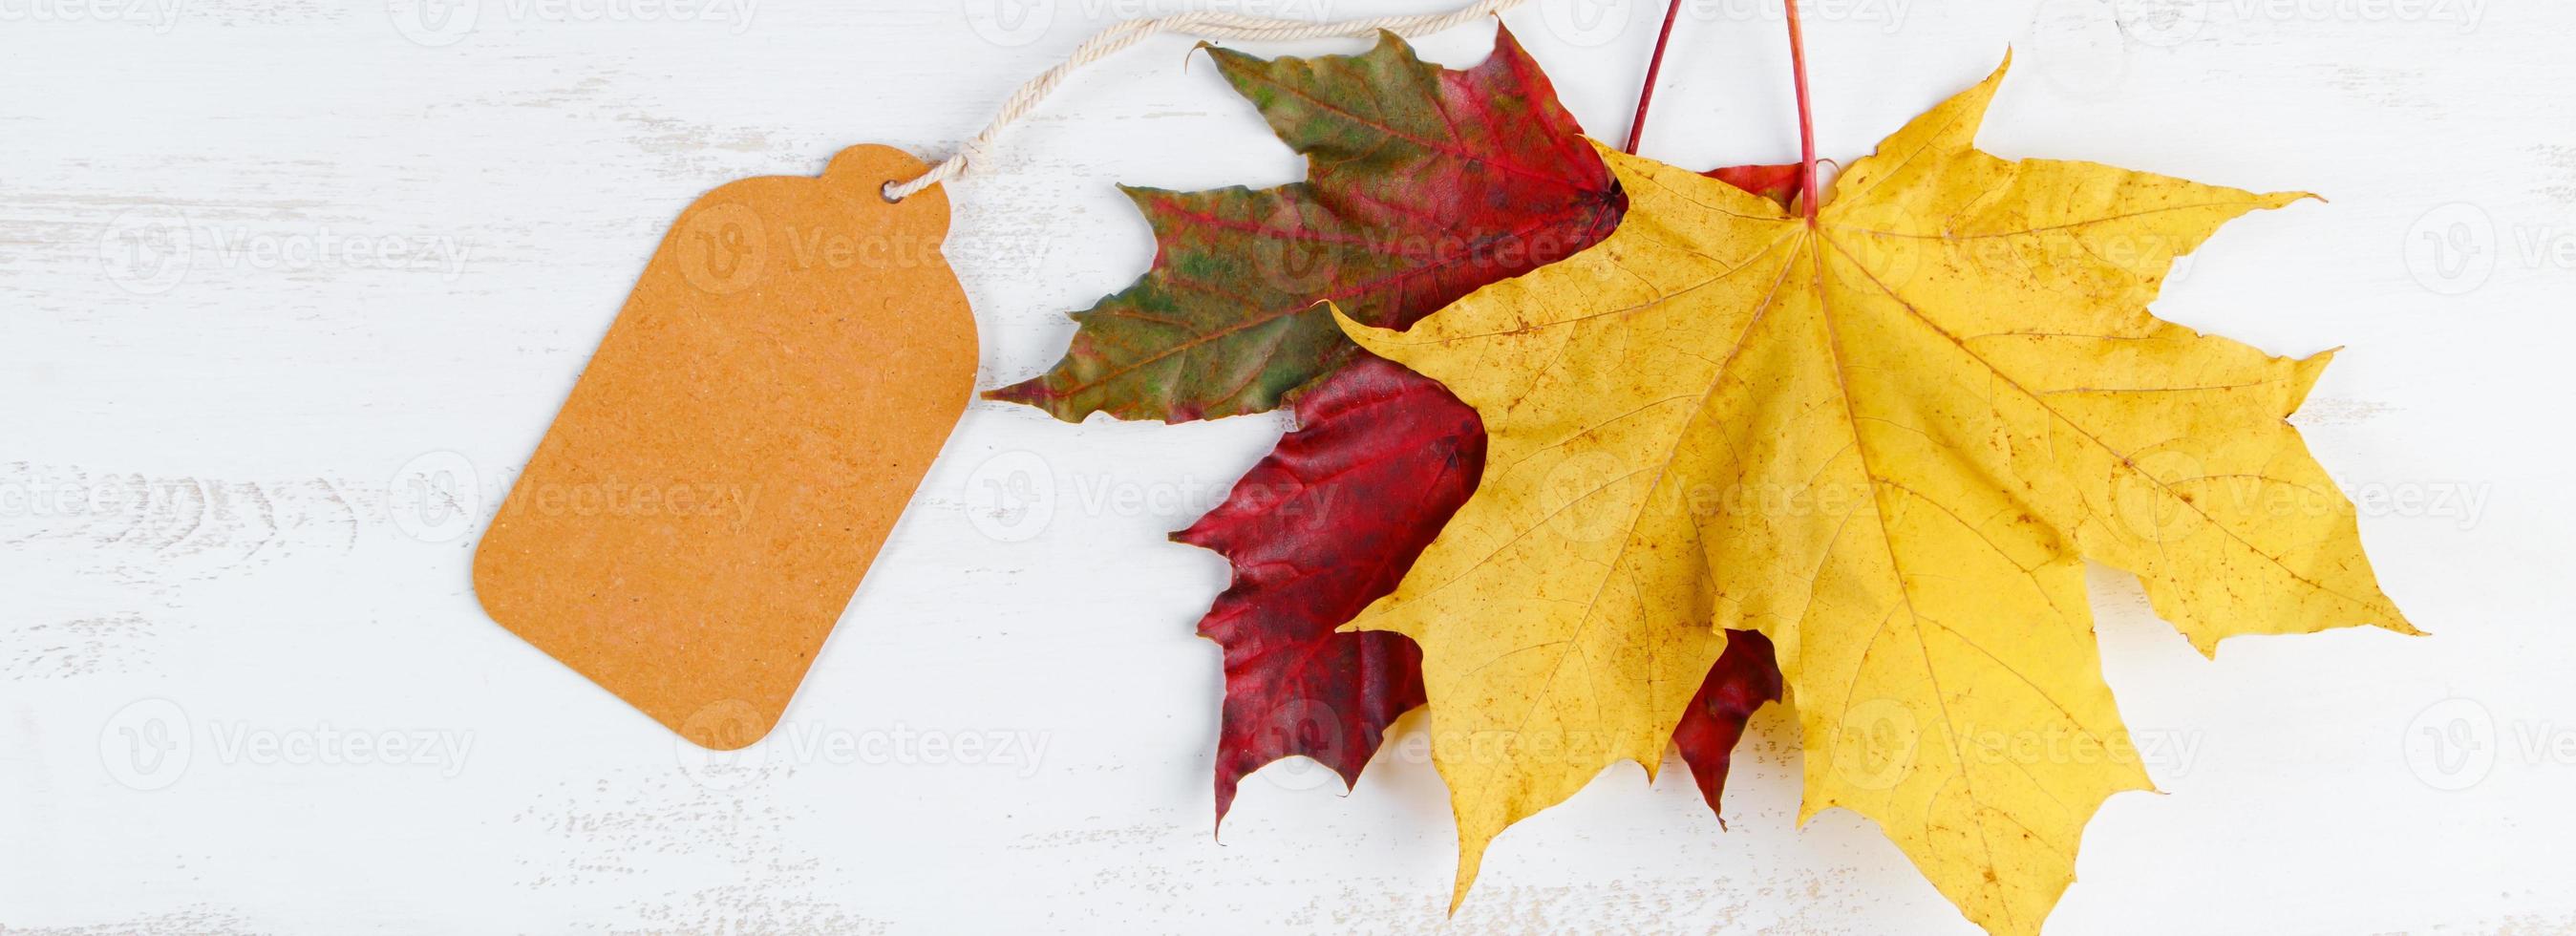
column 1422, row 184
column 1743, row 679
column 1323, row 526
column 1887, row 440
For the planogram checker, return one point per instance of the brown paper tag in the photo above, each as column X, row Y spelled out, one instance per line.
column 707, row 500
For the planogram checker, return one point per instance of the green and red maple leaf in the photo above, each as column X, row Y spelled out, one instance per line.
column 1422, row 184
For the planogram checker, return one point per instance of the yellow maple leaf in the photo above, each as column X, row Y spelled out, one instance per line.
column 1888, row 440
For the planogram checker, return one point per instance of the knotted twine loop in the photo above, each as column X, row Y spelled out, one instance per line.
column 1206, row 25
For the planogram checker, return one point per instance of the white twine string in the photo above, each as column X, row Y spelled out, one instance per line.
column 1210, row 25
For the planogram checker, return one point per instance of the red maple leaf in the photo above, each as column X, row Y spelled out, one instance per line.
column 1744, row 678
column 1327, row 523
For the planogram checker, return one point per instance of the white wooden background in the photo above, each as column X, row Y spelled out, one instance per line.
column 289, row 289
